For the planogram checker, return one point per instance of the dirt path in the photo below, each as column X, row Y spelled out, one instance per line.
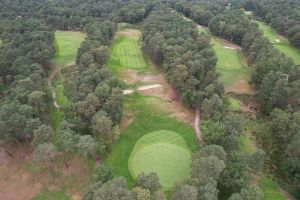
column 55, row 71
column 197, row 126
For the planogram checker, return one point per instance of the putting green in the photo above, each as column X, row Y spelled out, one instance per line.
column 164, row 152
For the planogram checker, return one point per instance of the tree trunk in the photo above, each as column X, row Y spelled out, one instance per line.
column 7, row 151
column 66, row 161
column 19, row 143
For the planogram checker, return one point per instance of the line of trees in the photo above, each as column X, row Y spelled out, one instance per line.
column 185, row 55
column 95, row 97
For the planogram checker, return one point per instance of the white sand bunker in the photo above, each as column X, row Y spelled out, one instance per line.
column 148, row 87
column 227, row 47
column 127, row 92
column 143, row 88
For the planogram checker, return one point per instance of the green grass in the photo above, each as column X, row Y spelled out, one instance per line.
column 270, row 189
column 52, row 195
column 126, row 54
column 234, row 104
column 230, row 65
column 280, row 42
column 246, row 145
column 148, row 117
column 66, row 45
column 163, row 152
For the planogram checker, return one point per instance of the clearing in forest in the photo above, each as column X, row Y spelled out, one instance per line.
column 164, row 152
column 270, row 189
column 280, row 42
column 232, row 66
column 66, row 46
column 146, row 109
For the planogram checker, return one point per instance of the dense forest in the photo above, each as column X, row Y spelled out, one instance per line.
column 275, row 75
column 91, row 118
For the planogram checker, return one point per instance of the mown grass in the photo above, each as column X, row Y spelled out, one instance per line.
column 270, row 189
column 163, row 152
column 280, row 42
column 231, row 65
column 66, row 46
column 148, row 117
column 126, row 54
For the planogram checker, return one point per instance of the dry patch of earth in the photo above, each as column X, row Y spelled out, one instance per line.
column 241, row 87
column 21, row 178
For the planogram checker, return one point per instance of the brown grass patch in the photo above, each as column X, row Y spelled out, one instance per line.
column 131, row 76
column 129, row 32
column 21, row 178
column 231, row 45
column 241, row 87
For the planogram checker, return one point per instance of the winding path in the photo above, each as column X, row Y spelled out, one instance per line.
column 55, row 71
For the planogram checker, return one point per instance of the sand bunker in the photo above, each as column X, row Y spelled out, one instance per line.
column 149, row 87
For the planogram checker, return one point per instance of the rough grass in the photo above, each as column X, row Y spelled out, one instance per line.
column 231, row 65
column 66, row 45
column 280, row 42
column 270, row 189
column 147, row 118
column 234, row 104
column 163, row 152
column 246, row 145
column 125, row 53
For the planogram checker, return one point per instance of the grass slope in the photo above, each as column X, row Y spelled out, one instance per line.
column 270, row 189
column 125, row 53
column 230, row 65
column 163, row 152
column 66, row 45
column 280, row 42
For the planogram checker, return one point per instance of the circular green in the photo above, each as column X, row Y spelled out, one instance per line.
column 164, row 152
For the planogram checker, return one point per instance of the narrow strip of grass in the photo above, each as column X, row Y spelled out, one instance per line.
column 126, row 54
column 66, row 45
column 270, row 189
column 231, row 65
column 280, row 42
